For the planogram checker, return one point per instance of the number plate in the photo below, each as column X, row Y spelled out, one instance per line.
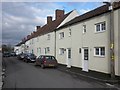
column 51, row 65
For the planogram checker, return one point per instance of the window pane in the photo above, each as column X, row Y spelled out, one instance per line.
column 102, row 51
column 69, row 32
column 61, row 51
column 98, row 27
column 69, row 53
column 84, row 28
column 103, row 26
column 96, row 51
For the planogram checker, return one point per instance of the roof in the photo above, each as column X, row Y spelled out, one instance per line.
column 96, row 12
column 47, row 28
column 20, row 43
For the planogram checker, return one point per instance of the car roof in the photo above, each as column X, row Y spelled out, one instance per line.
column 46, row 55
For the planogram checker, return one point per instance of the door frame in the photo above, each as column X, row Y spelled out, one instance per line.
column 85, row 63
column 68, row 60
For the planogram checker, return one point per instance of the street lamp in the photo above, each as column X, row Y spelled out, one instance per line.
column 112, row 58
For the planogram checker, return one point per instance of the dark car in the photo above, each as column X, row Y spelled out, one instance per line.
column 46, row 61
column 6, row 54
column 21, row 56
column 29, row 57
column 13, row 54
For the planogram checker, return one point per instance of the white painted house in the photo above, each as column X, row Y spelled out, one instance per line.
column 43, row 41
column 84, row 42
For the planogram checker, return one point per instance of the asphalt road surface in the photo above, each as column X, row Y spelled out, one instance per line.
column 25, row 75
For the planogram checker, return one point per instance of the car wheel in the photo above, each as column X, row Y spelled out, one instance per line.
column 42, row 65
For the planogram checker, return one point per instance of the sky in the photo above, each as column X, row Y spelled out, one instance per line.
column 19, row 19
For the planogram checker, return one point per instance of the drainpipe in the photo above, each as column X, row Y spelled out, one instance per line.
column 112, row 57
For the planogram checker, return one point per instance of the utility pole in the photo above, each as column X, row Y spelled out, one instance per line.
column 112, row 57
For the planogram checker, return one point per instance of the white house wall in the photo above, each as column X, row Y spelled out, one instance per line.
column 17, row 50
column 90, row 39
column 117, row 41
column 43, row 43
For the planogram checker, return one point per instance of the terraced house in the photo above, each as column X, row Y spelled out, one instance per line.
column 82, row 41
column 42, row 41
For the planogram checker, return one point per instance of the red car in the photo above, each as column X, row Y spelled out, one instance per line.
column 46, row 61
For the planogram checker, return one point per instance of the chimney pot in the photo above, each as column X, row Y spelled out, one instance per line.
column 49, row 19
column 38, row 27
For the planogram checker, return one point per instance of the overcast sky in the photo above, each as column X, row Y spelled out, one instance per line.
column 19, row 19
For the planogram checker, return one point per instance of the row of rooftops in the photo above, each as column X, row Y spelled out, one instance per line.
column 60, row 16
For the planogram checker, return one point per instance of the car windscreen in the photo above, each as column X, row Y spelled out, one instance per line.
column 50, row 57
column 31, row 55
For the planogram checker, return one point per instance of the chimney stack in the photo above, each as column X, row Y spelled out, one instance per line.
column 33, row 32
column 49, row 19
column 23, row 39
column 28, row 36
column 38, row 27
column 59, row 13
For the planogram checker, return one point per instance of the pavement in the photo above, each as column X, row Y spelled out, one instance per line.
column 105, row 78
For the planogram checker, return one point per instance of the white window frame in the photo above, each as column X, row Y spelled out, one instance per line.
column 70, row 33
column 48, row 37
column 84, row 29
column 61, row 51
column 99, row 53
column 47, row 50
column 100, row 26
column 61, row 35
column 39, row 50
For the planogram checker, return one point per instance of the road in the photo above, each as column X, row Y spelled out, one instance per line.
column 25, row 75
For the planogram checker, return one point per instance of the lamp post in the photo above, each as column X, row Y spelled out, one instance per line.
column 112, row 58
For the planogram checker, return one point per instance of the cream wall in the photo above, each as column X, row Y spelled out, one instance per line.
column 17, row 50
column 117, row 41
column 90, row 39
column 43, row 43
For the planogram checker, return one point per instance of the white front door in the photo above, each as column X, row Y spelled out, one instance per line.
column 68, row 57
column 85, row 59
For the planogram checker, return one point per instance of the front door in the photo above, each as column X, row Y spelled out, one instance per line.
column 85, row 59
column 68, row 57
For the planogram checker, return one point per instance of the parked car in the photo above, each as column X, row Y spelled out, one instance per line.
column 6, row 54
column 46, row 61
column 29, row 57
column 13, row 54
column 21, row 56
